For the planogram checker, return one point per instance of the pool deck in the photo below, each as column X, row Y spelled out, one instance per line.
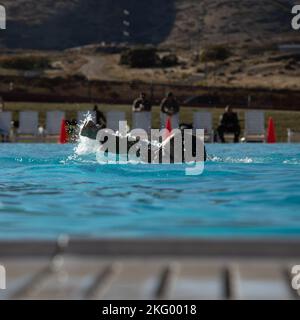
column 149, row 269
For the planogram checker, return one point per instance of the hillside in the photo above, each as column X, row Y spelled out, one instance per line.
column 62, row 24
column 233, row 21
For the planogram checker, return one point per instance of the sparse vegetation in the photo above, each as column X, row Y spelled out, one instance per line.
column 215, row 53
column 25, row 63
column 140, row 57
column 169, row 60
column 147, row 57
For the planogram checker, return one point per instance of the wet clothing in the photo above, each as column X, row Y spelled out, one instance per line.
column 91, row 130
column 169, row 106
column 140, row 105
column 100, row 119
column 229, row 124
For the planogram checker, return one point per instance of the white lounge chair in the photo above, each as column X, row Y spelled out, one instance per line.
column 293, row 136
column 81, row 116
column 5, row 124
column 53, row 124
column 113, row 118
column 142, row 120
column 28, row 125
column 254, row 126
column 174, row 120
column 203, row 120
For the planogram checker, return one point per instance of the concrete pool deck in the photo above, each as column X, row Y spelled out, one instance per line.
column 149, row 269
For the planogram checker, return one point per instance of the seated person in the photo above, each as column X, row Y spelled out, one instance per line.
column 229, row 124
column 169, row 105
column 100, row 117
column 141, row 104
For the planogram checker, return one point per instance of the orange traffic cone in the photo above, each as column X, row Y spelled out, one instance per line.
column 271, row 138
column 63, row 137
column 168, row 127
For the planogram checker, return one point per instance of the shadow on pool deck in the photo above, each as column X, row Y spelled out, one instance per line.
column 149, row 269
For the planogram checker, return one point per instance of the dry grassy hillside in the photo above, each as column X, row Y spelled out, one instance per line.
column 232, row 21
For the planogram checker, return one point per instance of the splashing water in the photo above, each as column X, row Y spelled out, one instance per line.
column 85, row 145
column 245, row 191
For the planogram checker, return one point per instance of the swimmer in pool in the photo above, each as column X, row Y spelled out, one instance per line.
column 91, row 130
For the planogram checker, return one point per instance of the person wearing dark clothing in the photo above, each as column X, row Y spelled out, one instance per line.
column 169, row 105
column 141, row 104
column 229, row 124
column 155, row 152
column 100, row 117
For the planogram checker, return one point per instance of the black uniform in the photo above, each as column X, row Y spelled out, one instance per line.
column 169, row 106
column 141, row 104
column 91, row 130
column 229, row 124
column 100, row 119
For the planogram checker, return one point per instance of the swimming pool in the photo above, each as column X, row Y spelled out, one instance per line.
column 246, row 190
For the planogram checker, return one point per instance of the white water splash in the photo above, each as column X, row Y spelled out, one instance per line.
column 291, row 161
column 231, row 160
column 85, row 145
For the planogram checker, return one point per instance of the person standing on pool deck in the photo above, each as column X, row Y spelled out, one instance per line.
column 100, row 117
column 229, row 124
column 169, row 105
column 141, row 104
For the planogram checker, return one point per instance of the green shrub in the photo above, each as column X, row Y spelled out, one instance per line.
column 25, row 63
column 214, row 53
column 169, row 60
column 140, row 57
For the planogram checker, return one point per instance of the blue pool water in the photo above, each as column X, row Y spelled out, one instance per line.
column 245, row 191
